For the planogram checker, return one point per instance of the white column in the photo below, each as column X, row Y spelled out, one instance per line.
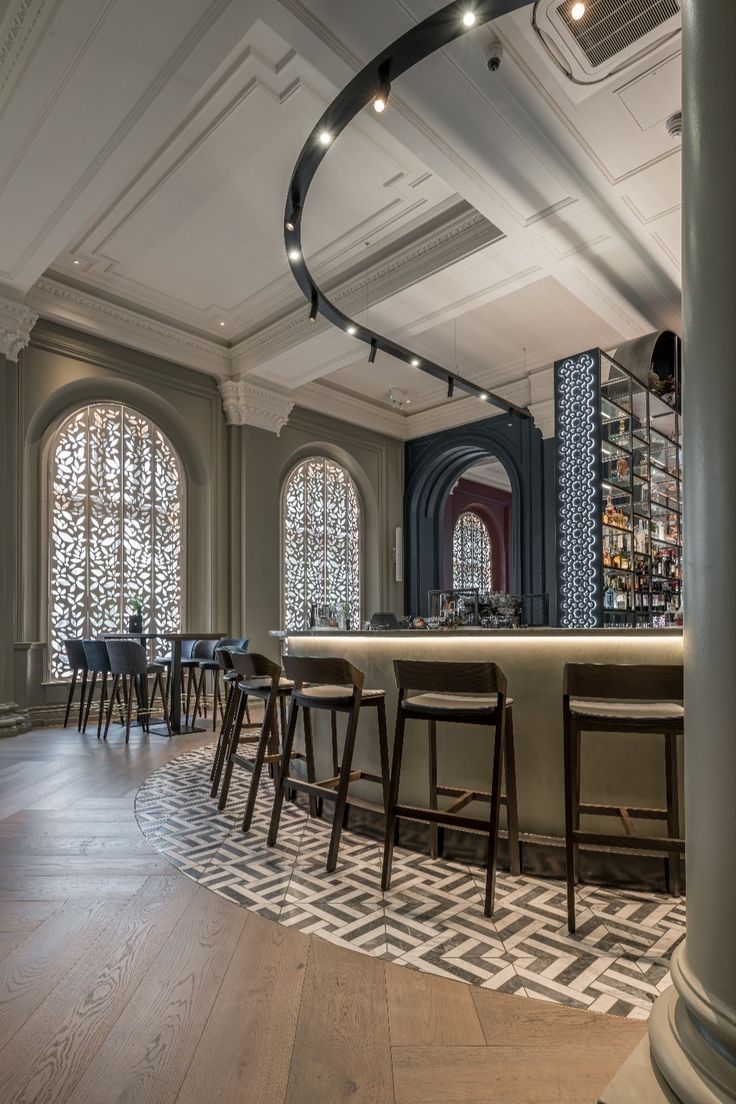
column 692, row 1030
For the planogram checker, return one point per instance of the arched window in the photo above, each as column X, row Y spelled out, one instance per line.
column 472, row 553
column 115, row 526
column 321, row 539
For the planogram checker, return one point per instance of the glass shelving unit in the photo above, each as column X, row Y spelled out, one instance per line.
column 641, row 496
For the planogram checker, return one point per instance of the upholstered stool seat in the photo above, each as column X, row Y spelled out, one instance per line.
column 322, row 694
column 633, row 712
column 448, row 704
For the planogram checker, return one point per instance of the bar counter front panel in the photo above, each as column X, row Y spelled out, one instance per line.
column 620, row 769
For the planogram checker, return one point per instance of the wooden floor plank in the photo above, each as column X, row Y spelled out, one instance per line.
column 562, row 1073
column 426, row 1010
column 45, row 1059
column 25, row 915
column 246, row 1046
column 341, row 1050
column 506, row 1020
column 30, row 972
column 147, row 1052
column 16, row 886
column 9, row 941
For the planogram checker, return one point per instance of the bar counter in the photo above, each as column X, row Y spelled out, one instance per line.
column 625, row 769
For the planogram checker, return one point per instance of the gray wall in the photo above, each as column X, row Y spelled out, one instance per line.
column 61, row 370
column 233, row 490
column 376, row 465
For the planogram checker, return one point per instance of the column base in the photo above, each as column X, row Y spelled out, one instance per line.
column 638, row 1081
column 13, row 720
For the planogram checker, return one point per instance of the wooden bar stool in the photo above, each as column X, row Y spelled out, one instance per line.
column 259, row 678
column 230, row 680
column 77, row 662
column 213, row 666
column 336, row 686
column 463, row 693
column 601, row 697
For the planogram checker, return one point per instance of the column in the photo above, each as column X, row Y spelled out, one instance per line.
column 16, row 321
column 691, row 1056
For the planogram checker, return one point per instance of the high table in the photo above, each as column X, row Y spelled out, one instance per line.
column 176, row 642
column 626, row 769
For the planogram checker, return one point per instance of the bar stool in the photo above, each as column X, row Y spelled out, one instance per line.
column 336, row 686
column 230, row 679
column 77, row 662
column 463, row 693
column 213, row 664
column 259, row 678
column 601, row 697
column 128, row 663
column 188, row 667
column 98, row 662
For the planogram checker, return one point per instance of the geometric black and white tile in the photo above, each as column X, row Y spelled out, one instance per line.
column 432, row 918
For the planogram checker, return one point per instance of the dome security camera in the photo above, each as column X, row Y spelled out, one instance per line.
column 495, row 57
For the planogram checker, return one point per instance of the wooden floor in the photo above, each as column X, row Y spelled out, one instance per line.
column 121, row 980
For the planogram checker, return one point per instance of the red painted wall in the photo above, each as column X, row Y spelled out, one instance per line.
column 494, row 507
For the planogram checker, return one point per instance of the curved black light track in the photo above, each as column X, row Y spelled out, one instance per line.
column 432, row 34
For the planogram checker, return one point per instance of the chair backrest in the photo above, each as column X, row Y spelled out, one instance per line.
column 323, row 671
column 127, row 657
column 255, row 665
column 75, row 655
column 449, row 678
column 187, row 647
column 204, row 649
column 629, row 681
column 95, row 652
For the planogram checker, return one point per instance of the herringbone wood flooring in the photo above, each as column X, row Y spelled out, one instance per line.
column 122, row 980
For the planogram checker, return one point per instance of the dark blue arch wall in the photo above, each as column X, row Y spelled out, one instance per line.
column 432, row 466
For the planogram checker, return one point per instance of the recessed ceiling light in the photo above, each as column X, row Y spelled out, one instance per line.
column 222, row 323
column 325, row 137
column 76, row 262
column 469, row 19
column 415, row 363
column 294, row 255
column 577, row 11
column 352, row 330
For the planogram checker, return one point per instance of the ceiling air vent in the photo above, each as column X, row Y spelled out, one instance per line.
column 609, row 35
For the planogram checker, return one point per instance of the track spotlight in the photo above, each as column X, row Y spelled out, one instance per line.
column 294, row 255
column 325, row 137
column 314, row 311
column 380, row 103
column 352, row 330
column 293, row 219
column 374, row 350
column 469, row 19
column 415, row 362
column 510, row 418
column 450, row 386
column 483, row 395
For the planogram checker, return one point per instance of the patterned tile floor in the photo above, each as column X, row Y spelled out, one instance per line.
column 432, row 918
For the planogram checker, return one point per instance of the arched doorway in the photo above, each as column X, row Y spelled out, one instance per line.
column 435, row 463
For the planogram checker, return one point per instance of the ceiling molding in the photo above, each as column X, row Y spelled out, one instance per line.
column 16, row 322
column 460, row 234
column 92, row 314
column 20, row 33
column 246, row 403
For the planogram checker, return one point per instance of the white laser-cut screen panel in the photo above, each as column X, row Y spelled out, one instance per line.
column 472, row 553
column 115, row 527
column 321, row 541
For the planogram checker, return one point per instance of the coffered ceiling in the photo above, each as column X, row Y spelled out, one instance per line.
column 145, row 151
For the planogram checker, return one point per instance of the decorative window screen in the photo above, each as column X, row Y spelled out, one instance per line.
column 321, row 541
column 115, row 527
column 472, row 553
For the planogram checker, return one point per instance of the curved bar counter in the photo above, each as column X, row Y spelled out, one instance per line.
column 629, row 768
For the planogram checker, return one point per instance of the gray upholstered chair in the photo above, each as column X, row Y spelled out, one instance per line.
column 129, row 665
column 77, row 661
column 189, row 667
column 214, row 666
column 98, row 663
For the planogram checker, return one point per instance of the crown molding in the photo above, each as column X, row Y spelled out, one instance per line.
column 62, row 303
column 20, row 33
column 250, row 404
column 16, row 322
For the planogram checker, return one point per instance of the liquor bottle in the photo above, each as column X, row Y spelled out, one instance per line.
column 609, row 598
